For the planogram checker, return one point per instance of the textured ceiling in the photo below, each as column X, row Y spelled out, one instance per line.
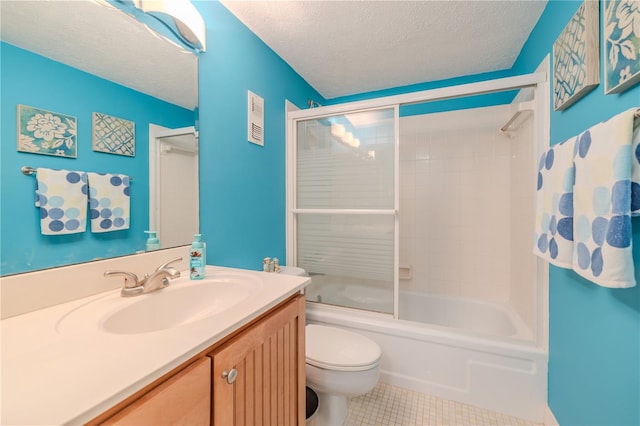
column 349, row 47
column 103, row 41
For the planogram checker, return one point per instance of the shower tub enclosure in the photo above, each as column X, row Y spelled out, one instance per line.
column 416, row 231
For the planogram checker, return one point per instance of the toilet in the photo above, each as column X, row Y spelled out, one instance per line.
column 339, row 364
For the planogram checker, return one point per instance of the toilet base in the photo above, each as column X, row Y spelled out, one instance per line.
column 332, row 410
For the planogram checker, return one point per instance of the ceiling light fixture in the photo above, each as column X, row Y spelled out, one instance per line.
column 182, row 14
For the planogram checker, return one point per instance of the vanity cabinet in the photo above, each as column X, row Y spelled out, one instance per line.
column 254, row 376
column 184, row 398
column 259, row 376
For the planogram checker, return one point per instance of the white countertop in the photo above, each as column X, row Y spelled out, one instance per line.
column 52, row 376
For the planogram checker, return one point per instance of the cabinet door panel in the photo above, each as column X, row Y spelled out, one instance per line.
column 269, row 361
column 184, row 399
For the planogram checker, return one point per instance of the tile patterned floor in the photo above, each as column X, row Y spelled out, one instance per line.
column 391, row 405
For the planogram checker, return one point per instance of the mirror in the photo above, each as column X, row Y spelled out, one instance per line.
column 79, row 58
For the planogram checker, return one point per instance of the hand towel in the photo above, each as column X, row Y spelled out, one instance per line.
column 109, row 202
column 553, row 239
column 62, row 198
column 635, row 167
column 602, row 203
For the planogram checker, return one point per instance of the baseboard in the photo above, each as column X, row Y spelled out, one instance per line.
column 549, row 418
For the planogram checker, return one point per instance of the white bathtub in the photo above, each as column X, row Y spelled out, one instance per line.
column 469, row 315
column 474, row 352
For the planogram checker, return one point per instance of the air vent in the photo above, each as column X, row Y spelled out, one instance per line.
column 255, row 125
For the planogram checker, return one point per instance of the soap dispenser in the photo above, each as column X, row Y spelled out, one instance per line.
column 197, row 258
column 153, row 243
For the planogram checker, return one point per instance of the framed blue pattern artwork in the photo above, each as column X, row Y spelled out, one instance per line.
column 45, row 132
column 621, row 24
column 576, row 57
column 113, row 135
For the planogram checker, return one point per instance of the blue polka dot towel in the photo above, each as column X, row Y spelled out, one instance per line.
column 61, row 196
column 603, row 202
column 109, row 202
column 553, row 238
column 635, row 167
column 588, row 189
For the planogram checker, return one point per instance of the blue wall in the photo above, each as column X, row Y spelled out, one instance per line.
column 242, row 185
column 476, row 101
column 36, row 81
column 594, row 342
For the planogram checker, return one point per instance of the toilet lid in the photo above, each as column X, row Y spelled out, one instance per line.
column 337, row 349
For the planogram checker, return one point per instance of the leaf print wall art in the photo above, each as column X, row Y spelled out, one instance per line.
column 621, row 26
column 113, row 135
column 576, row 57
column 46, row 132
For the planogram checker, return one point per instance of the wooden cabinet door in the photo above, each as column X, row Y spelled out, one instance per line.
column 269, row 387
column 184, row 399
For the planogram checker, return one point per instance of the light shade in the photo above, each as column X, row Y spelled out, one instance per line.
column 185, row 16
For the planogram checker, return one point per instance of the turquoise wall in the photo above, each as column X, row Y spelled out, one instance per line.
column 39, row 82
column 242, row 185
column 594, row 332
column 476, row 101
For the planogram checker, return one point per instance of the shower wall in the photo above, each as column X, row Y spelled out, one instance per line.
column 466, row 206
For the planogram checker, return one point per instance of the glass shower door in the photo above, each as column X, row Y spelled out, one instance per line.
column 345, row 208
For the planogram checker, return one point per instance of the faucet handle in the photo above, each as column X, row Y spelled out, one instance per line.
column 130, row 279
column 164, row 265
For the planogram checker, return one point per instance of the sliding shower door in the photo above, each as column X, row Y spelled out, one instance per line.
column 344, row 208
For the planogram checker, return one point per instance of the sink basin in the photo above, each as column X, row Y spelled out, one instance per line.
column 183, row 302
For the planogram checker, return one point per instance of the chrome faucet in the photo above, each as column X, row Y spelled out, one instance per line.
column 159, row 279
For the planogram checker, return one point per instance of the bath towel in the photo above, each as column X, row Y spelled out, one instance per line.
column 109, row 202
column 602, row 203
column 553, row 238
column 62, row 198
column 635, row 167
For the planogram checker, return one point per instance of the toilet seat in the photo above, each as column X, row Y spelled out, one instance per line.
column 337, row 349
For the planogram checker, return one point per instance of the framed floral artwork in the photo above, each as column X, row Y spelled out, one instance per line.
column 46, row 132
column 576, row 57
column 113, row 135
column 621, row 24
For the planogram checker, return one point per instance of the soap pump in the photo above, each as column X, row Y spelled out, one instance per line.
column 153, row 243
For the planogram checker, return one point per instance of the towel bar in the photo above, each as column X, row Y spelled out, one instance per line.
column 28, row 171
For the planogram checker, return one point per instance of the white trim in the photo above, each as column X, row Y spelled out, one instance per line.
column 541, row 128
column 290, row 173
column 396, row 203
column 154, row 159
column 549, row 419
column 478, row 88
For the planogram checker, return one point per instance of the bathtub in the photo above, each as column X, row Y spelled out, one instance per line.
column 473, row 352
column 468, row 315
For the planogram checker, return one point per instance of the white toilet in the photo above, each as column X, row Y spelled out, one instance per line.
column 340, row 364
